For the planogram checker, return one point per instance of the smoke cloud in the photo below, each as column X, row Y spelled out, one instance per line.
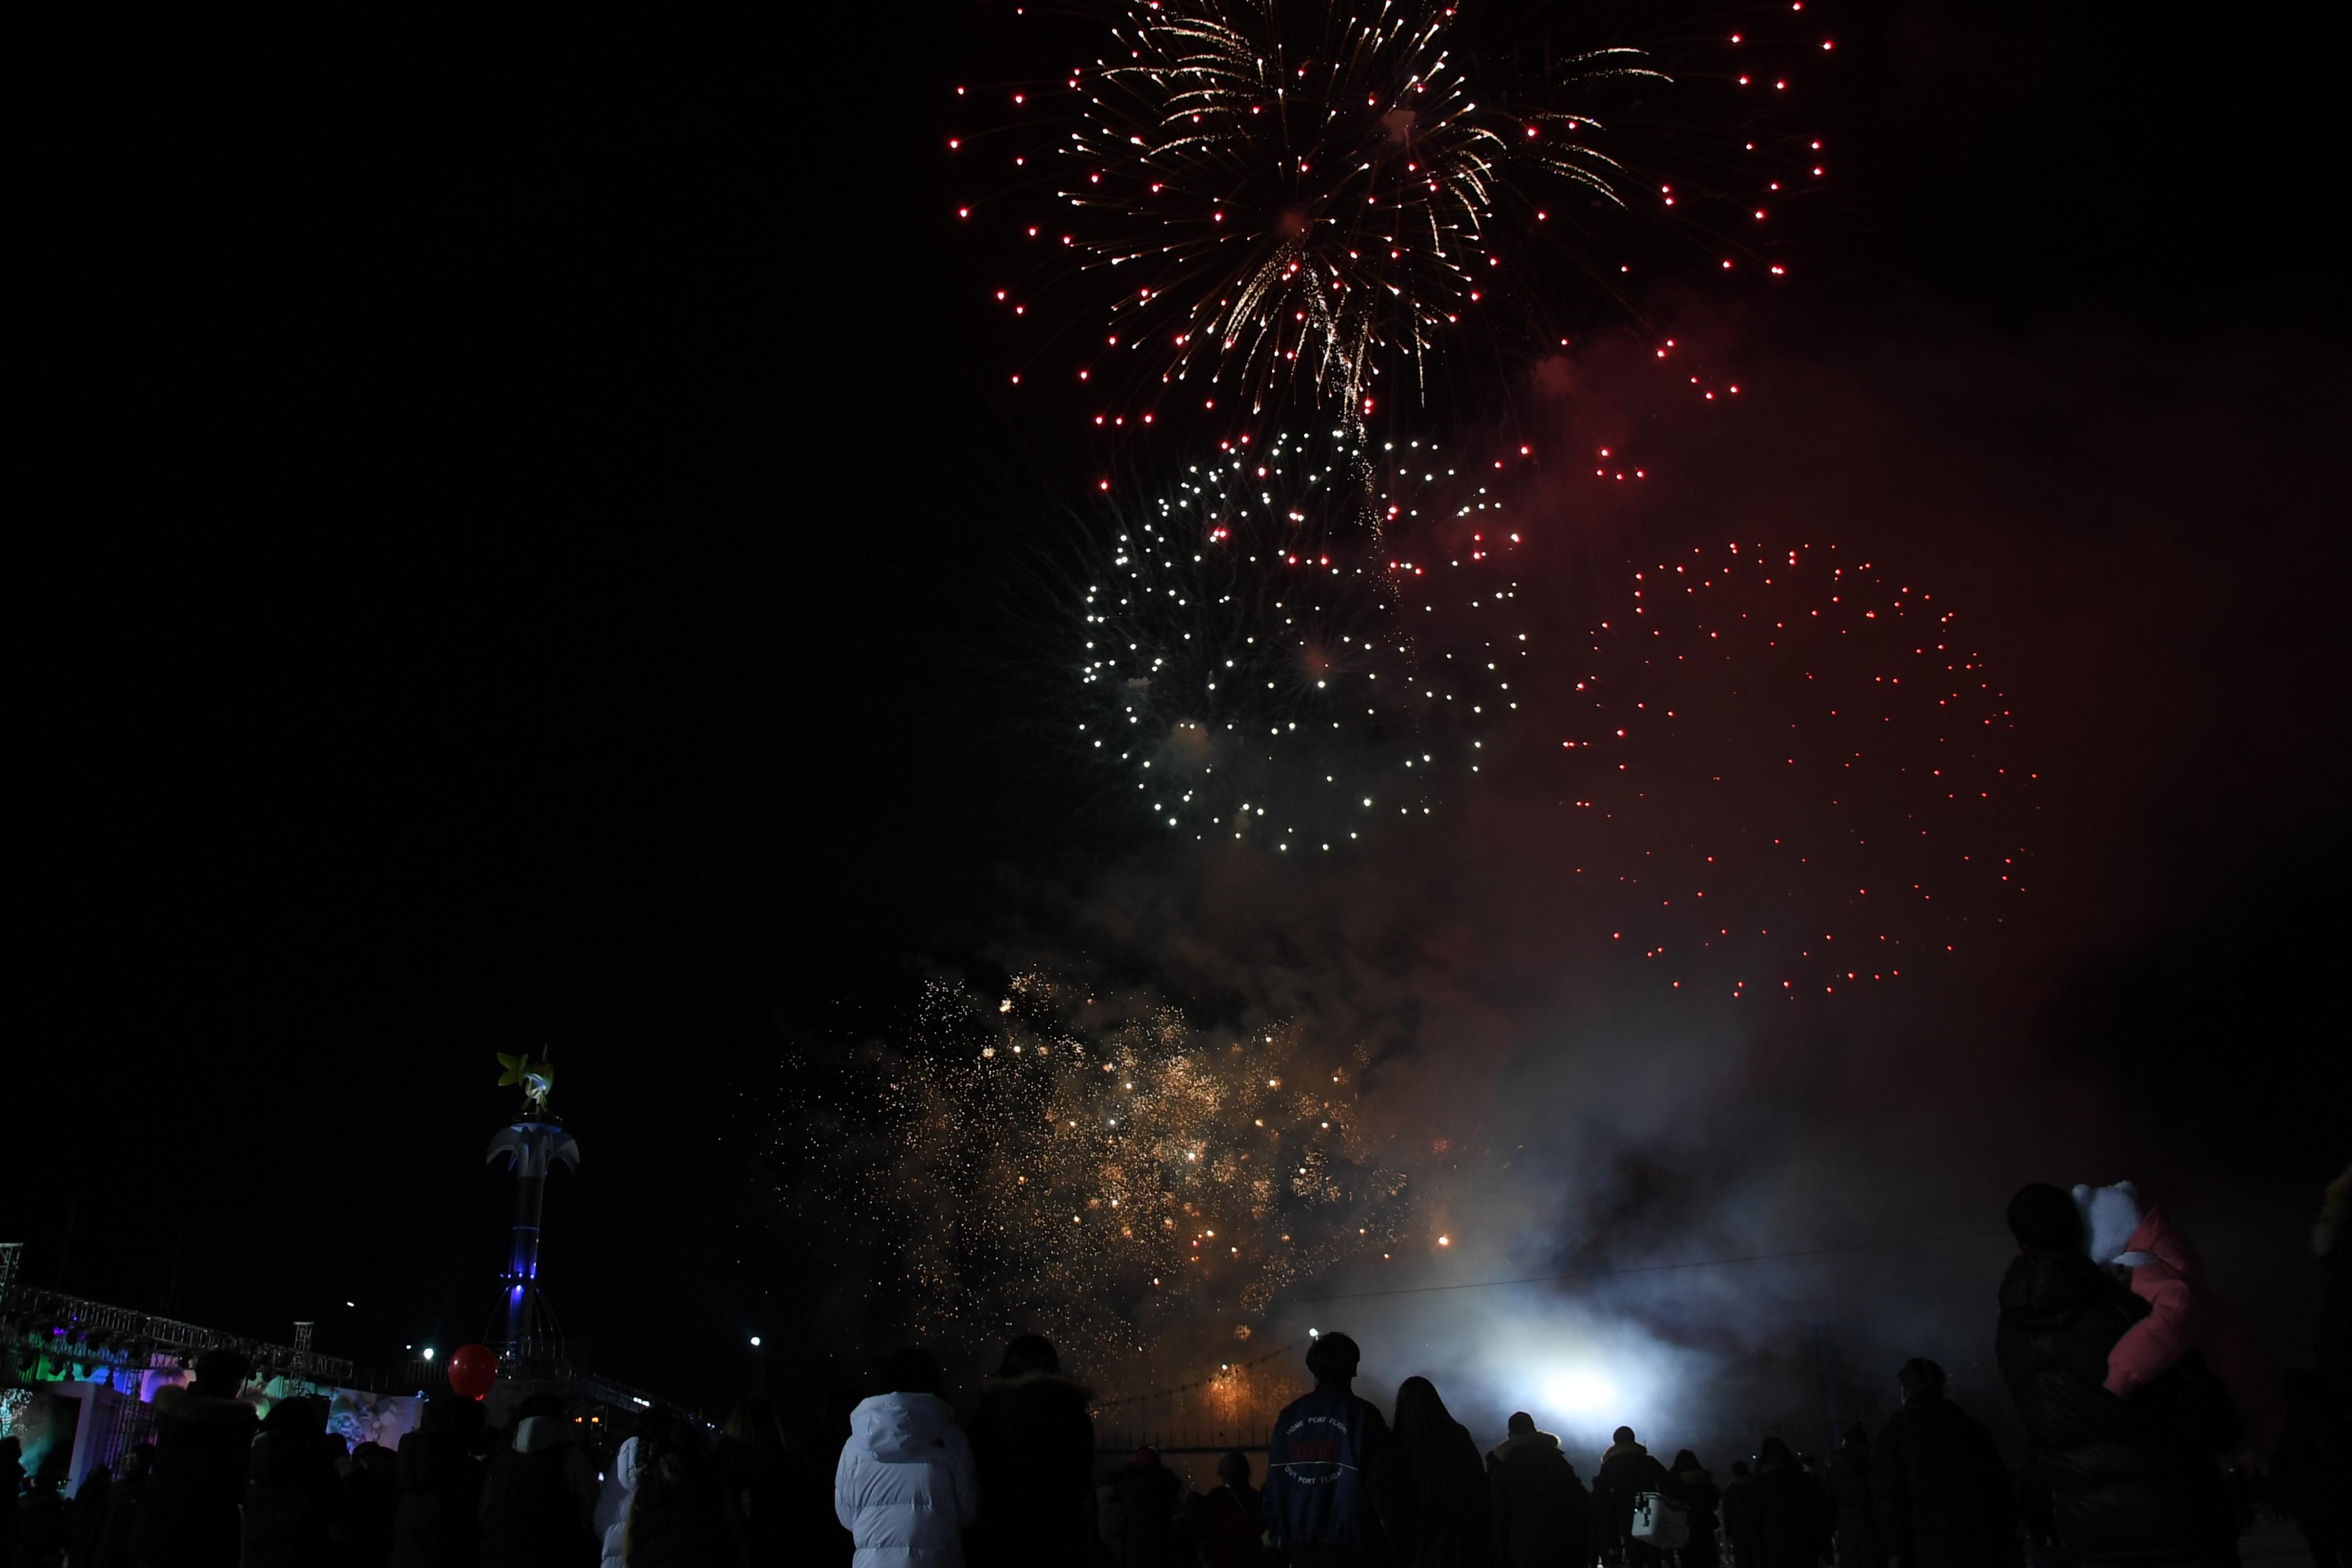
column 1741, row 1205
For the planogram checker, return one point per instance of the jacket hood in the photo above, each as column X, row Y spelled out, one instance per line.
column 177, row 1403
column 899, row 1426
column 2156, row 1241
column 2046, row 1290
column 535, row 1433
column 1523, row 1442
column 2109, row 1216
column 1617, row 1448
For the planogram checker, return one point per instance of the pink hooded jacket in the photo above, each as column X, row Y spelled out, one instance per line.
column 2184, row 1315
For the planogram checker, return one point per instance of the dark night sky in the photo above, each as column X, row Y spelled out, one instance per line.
column 500, row 520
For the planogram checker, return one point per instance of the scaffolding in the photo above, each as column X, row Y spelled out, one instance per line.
column 84, row 1330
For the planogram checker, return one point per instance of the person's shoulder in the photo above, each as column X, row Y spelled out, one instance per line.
column 1303, row 1403
column 182, row 1404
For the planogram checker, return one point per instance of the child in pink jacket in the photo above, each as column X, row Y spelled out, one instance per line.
column 2183, row 1313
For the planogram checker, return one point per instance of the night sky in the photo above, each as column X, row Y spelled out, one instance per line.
column 529, row 544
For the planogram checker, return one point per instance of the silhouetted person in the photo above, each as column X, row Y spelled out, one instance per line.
column 1689, row 1484
column 1032, row 1443
column 2331, row 1243
column 1229, row 1522
column 1331, row 1498
column 680, row 1512
column 371, row 1498
column 86, row 1517
column 905, row 1488
column 188, row 1515
column 1445, row 1518
column 1941, row 1495
column 1854, row 1519
column 1791, row 1520
column 1627, row 1470
column 2312, row 1475
column 1540, row 1514
column 122, row 1504
column 755, row 1462
column 293, row 1496
column 1147, row 1497
column 437, row 1522
column 819, row 1540
column 40, row 1523
column 539, row 1492
column 12, row 1482
column 1740, row 1517
column 2129, row 1480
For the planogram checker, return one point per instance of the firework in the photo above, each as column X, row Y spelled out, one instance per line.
column 1798, row 777
column 1304, row 641
column 1053, row 1158
column 1280, row 203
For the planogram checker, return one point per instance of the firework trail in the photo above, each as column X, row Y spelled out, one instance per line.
column 1283, row 202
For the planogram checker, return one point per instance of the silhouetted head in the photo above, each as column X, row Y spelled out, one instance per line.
column 1146, row 1457
column 1684, row 1462
column 454, row 1416
column 1520, row 1425
column 912, row 1371
column 1028, row 1354
column 304, row 1415
column 1419, row 1410
column 754, row 1421
column 1921, row 1380
column 1622, row 1434
column 1333, row 1357
column 2043, row 1218
column 220, row 1374
column 1740, row 1472
column 1234, row 1468
column 1773, row 1448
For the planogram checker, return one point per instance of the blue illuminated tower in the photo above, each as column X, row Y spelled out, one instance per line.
column 533, row 1144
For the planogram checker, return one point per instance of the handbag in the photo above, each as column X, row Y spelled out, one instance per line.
column 1659, row 1520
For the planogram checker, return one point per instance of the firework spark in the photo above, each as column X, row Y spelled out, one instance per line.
column 1800, row 779
column 1307, row 207
column 1283, row 203
column 1049, row 1159
column 1304, row 641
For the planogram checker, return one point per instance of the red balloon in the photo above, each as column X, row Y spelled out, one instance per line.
column 472, row 1370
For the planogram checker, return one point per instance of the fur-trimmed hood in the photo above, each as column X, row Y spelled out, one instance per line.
column 1616, row 1450
column 1018, row 1401
column 1520, row 1443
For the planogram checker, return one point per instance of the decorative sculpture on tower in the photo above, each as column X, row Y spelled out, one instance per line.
column 534, row 1143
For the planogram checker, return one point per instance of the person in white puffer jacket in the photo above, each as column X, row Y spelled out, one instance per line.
column 612, row 1516
column 905, row 1488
